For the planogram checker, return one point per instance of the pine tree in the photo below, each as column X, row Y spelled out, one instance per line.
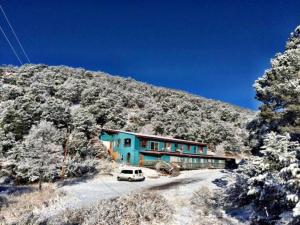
column 270, row 184
column 279, row 90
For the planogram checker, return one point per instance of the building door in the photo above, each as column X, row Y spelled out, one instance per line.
column 141, row 160
column 128, row 158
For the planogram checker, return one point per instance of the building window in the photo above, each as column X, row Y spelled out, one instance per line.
column 168, row 148
column 154, row 145
column 127, row 142
column 196, row 150
column 200, row 149
column 144, row 143
column 189, row 147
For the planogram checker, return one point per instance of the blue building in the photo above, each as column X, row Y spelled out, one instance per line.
column 146, row 150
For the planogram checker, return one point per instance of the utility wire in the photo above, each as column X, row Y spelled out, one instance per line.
column 12, row 48
column 14, row 33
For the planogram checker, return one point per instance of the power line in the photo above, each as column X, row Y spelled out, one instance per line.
column 13, row 31
column 12, row 48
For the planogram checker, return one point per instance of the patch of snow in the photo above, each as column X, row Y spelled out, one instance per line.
column 296, row 210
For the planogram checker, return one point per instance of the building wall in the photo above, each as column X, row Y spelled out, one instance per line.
column 120, row 152
column 185, row 162
column 163, row 146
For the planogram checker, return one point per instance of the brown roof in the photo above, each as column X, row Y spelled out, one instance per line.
column 184, row 154
column 155, row 137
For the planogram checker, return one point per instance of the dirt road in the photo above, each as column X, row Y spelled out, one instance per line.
column 105, row 187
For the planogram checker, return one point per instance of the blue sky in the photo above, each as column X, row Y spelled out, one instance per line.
column 214, row 49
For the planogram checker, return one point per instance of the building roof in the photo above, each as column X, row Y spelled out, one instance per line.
column 149, row 152
column 156, row 137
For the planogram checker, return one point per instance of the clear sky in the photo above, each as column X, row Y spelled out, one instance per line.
column 215, row 49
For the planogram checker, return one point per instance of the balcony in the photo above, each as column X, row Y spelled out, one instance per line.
column 188, row 166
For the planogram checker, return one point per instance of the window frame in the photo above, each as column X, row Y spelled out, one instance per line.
column 200, row 150
column 144, row 143
column 154, row 142
column 127, row 144
column 168, row 146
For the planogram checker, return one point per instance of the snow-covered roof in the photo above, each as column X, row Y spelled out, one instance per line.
column 156, row 137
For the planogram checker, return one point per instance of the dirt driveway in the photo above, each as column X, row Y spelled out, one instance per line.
column 105, row 187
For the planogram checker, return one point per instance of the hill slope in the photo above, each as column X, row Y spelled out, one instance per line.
column 73, row 98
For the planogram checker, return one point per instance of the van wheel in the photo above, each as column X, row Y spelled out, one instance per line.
column 129, row 179
column 118, row 178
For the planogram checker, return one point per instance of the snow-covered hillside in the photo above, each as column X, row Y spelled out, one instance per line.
column 75, row 103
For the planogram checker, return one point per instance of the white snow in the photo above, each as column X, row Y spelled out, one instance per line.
column 296, row 210
column 178, row 190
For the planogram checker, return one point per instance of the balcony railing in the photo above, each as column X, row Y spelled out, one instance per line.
column 186, row 165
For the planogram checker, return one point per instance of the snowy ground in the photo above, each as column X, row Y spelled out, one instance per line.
column 181, row 195
column 178, row 190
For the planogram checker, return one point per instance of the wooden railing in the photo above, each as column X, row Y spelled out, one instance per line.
column 186, row 165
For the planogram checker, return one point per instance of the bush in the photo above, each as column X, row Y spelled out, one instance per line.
column 3, row 201
column 167, row 168
column 19, row 206
column 131, row 209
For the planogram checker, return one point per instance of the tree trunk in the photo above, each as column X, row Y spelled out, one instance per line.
column 40, row 182
column 41, row 176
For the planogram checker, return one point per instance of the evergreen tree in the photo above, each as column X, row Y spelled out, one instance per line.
column 41, row 155
column 269, row 186
column 279, row 90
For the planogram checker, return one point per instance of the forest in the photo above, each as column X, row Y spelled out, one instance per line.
column 66, row 108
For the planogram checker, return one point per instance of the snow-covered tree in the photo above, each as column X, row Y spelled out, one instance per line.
column 56, row 111
column 79, row 102
column 269, row 185
column 279, row 90
column 71, row 90
column 41, row 155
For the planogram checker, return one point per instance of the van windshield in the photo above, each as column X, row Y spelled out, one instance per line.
column 127, row 171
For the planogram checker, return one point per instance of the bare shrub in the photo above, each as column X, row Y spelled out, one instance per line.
column 106, row 166
column 24, row 204
column 167, row 168
column 203, row 200
column 130, row 209
column 208, row 206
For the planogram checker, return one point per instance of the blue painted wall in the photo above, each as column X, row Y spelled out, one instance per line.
column 162, row 145
column 118, row 145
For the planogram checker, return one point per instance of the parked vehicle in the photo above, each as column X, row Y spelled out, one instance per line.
column 131, row 175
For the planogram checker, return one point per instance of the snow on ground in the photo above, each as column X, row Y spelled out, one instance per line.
column 178, row 190
column 181, row 195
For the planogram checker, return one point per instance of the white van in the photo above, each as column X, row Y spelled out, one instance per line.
column 131, row 175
